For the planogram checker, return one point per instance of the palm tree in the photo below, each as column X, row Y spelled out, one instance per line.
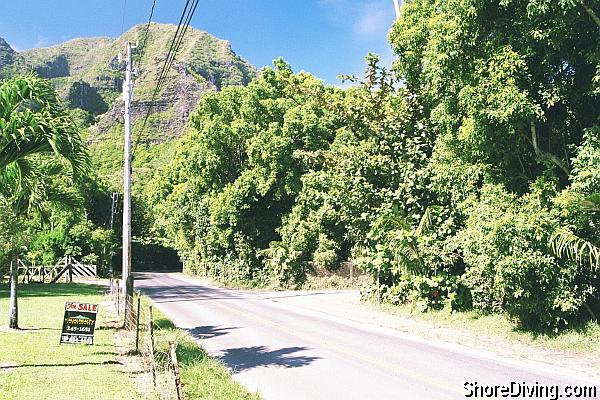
column 401, row 238
column 565, row 243
column 38, row 140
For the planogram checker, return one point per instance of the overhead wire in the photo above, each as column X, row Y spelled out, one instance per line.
column 164, row 71
column 143, row 48
column 186, row 17
column 180, row 41
column 147, row 32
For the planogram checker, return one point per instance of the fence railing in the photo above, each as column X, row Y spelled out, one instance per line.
column 157, row 351
column 347, row 269
column 68, row 268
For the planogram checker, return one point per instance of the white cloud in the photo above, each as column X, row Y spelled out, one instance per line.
column 41, row 42
column 365, row 19
column 372, row 21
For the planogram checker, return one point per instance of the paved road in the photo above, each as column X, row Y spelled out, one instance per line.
column 288, row 352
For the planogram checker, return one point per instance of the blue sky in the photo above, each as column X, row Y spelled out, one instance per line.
column 324, row 37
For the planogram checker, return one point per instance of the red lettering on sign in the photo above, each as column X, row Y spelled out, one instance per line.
column 82, row 307
column 88, row 307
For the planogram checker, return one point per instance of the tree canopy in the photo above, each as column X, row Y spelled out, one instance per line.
column 464, row 177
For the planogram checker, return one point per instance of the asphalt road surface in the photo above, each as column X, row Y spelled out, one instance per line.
column 288, row 352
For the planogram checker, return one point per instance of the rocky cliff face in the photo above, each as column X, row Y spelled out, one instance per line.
column 10, row 61
column 87, row 74
column 7, row 54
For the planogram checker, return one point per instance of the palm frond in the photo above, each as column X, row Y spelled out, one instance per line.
column 33, row 121
column 565, row 243
column 427, row 219
column 591, row 202
column 394, row 219
column 401, row 238
column 40, row 147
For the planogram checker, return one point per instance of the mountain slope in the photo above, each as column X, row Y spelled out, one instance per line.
column 87, row 74
column 10, row 61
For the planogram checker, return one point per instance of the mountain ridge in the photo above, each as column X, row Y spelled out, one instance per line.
column 88, row 77
column 86, row 74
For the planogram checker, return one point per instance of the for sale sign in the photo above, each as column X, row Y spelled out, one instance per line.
column 79, row 323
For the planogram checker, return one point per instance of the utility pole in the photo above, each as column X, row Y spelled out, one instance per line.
column 113, row 206
column 127, row 96
column 397, row 7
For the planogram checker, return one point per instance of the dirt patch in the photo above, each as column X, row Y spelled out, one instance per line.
column 5, row 368
column 132, row 364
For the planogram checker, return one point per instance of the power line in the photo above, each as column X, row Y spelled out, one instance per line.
column 186, row 17
column 161, row 78
column 143, row 48
column 123, row 18
column 180, row 40
column 171, row 48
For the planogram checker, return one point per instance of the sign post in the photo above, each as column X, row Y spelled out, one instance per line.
column 79, row 323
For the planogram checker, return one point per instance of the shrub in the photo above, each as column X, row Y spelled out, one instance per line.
column 510, row 265
column 425, row 293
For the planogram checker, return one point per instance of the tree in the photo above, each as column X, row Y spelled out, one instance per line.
column 510, row 90
column 39, row 143
column 236, row 174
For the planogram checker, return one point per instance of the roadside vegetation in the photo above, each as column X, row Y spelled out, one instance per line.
column 34, row 364
column 202, row 376
column 463, row 179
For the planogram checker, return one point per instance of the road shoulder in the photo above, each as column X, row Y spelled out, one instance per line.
column 345, row 306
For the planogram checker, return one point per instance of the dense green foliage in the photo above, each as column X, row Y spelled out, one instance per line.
column 512, row 97
column 466, row 177
column 44, row 183
column 238, row 172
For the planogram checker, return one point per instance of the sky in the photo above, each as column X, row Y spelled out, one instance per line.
column 324, row 37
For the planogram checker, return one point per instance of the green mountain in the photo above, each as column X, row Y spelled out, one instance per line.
column 87, row 74
column 11, row 62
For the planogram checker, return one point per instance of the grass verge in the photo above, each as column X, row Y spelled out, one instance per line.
column 203, row 377
column 34, row 365
column 583, row 339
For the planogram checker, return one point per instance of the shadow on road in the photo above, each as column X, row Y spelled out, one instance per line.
column 210, row 331
column 179, row 293
column 245, row 358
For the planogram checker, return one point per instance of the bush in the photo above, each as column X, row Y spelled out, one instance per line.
column 510, row 265
column 539, row 291
column 425, row 293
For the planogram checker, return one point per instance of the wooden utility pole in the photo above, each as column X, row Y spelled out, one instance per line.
column 127, row 96
column 113, row 207
column 397, row 7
